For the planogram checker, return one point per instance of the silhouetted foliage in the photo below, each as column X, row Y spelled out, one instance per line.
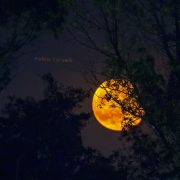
column 41, row 139
column 132, row 32
column 22, row 21
column 36, row 139
column 5, row 76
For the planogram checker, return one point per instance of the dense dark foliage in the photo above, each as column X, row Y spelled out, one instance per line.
column 41, row 139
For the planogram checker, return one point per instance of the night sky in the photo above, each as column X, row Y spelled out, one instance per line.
column 143, row 52
column 28, row 69
column 33, row 63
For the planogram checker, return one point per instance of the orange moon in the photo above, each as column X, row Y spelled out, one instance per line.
column 110, row 103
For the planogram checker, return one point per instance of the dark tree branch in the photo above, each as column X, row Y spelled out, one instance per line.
column 177, row 28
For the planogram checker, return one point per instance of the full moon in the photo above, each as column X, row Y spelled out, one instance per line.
column 115, row 106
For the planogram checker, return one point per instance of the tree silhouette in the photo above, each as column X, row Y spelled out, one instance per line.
column 21, row 22
column 41, row 139
column 129, row 28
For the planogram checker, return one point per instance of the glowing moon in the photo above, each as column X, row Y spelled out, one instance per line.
column 115, row 107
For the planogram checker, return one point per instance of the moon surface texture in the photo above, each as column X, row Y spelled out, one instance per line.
column 115, row 106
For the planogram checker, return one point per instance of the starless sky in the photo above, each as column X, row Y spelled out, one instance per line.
column 28, row 69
